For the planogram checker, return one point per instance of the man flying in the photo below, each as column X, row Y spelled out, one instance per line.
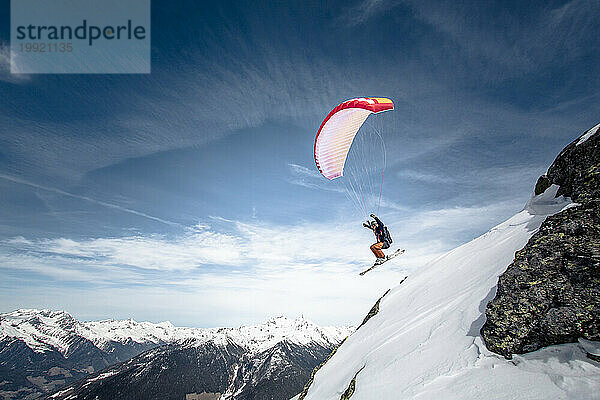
column 383, row 238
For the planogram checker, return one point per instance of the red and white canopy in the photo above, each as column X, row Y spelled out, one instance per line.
column 337, row 132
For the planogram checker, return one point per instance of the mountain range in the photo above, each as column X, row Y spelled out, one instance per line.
column 41, row 351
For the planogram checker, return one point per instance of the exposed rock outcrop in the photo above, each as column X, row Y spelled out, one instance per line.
column 351, row 387
column 550, row 294
column 374, row 310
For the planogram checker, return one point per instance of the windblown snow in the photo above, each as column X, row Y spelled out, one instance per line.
column 425, row 344
column 44, row 330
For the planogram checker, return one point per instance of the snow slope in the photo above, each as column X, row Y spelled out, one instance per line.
column 424, row 343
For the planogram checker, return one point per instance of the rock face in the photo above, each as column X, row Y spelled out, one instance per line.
column 550, row 294
column 577, row 168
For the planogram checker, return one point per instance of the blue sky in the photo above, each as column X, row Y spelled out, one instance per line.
column 190, row 194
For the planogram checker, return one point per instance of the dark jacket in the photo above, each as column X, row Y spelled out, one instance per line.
column 379, row 231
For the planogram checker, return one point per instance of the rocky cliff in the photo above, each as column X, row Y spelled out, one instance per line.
column 550, row 294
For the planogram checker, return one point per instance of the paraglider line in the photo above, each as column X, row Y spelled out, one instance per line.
column 363, row 200
column 380, row 189
column 384, row 165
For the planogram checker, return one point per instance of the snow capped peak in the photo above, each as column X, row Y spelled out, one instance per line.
column 260, row 337
column 103, row 332
column 283, row 321
column 28, row 313
column 41, row 330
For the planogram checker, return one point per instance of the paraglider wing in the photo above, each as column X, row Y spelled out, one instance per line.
column 337, row 132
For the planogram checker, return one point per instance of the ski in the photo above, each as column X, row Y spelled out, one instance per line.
column 387, row 258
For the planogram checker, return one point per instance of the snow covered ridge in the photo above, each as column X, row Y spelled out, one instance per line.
column 261, row 337
column 425, row 343
column 45, row 330
column 588, row 134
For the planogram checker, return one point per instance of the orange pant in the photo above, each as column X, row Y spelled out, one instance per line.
column 376, row 249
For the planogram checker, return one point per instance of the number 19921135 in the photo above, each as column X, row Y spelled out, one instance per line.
column 35, row 47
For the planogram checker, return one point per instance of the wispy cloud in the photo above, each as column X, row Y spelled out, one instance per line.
column 420, row 176
column 254, row 269
column 495, row 39
column 365, row 10
column 238, row 252
column 253, row 247
column 442, row 223
column 310, row 178
column 240, row 270
column 512, row 47
column 250, row 82
column 8, row 60
column 497, row 177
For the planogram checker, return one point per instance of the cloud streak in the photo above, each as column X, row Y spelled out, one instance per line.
column 311, row 179
column 365, row 10
column 88, row 199
column 254, row 248
column 512, row 48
